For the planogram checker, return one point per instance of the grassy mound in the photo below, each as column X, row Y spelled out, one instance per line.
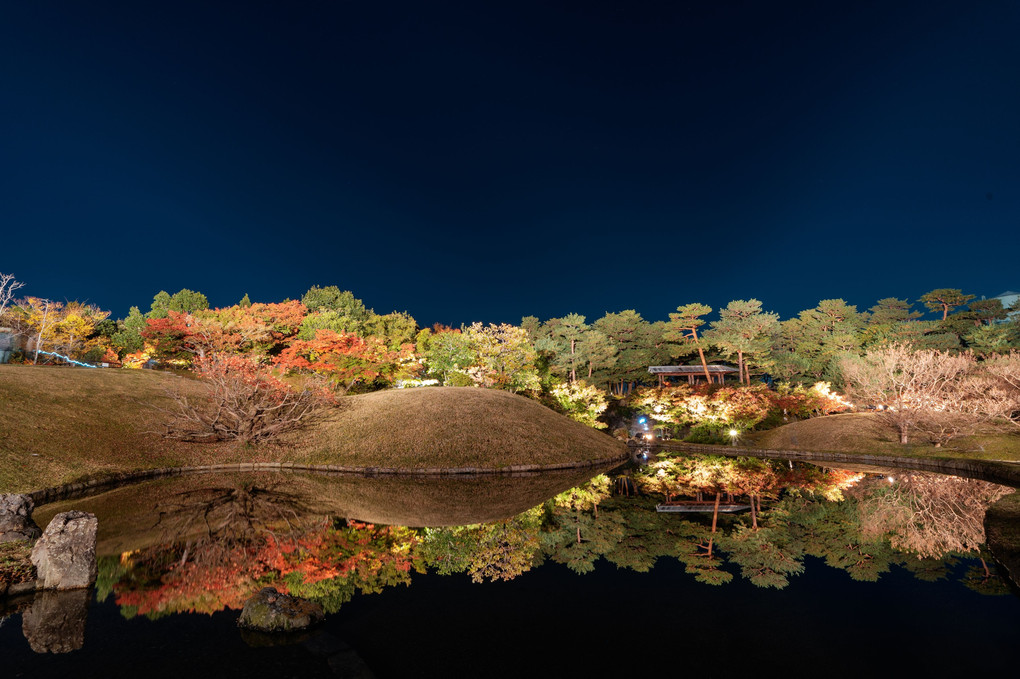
column 63, row 424
column 866, row 433
column 450, row 427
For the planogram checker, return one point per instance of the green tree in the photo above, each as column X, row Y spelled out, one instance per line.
column 332, row 298
column 944, row 300
column 747, row 331
column 562, row 338
column 184, row 300
column 810, row 344
column 638, row 344
column 447, row 353
column 128, row 338
column 683, row 330
column 505, row 357
column 395, row 328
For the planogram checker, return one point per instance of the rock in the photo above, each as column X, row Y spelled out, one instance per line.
column 271, row 611
column 65, row 555
column 16, row 518
column 55, row 623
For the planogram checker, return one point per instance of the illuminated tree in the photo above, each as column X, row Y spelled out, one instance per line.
column 638, row 343
column 183, row 301
column 944, row 300
column 128, row 338
column 811, row 343
column 8, row 286
column 74, row 332
column 505, row 357
column 745, row 330
column 562, row 337
column 242, row 402
column 916, row 388
column 395, row 329
column 446, row 352
column 683, row 329
column 347, row 360
column 580, row 402
column 37, row 318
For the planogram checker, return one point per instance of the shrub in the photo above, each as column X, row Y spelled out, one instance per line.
column 243, row 402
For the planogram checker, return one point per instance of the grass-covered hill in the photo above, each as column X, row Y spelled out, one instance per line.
column 866, row 433
column 62, row 424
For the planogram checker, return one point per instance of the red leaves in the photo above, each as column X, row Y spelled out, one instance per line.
column 345, row 358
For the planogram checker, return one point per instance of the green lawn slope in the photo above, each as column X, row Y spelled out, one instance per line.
column 63, row 424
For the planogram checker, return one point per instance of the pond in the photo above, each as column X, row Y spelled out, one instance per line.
column 829, row 571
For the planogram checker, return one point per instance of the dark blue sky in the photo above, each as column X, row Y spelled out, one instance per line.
column 474, row 161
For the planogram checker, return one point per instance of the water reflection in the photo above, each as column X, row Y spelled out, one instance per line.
column 204, row 544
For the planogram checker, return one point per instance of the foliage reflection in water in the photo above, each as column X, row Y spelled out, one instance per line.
column 213, row 545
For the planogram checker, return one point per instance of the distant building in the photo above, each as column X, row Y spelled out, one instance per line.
column 716, row 373
column 1008, row 299
column 8, row 342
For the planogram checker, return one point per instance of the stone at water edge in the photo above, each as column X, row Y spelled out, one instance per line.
column 271, row 611
column 65, row 555
column 55, row 622
column 16, row 518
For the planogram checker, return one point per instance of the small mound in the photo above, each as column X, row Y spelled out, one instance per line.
column 451, row 427
column 866, row 433
column 849, row 432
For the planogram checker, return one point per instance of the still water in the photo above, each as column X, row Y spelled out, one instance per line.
column 826, row 571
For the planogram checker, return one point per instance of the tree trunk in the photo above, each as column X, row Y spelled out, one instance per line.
column 573, row 362
column 42, row 328
column 701, row 354
column 754, row 515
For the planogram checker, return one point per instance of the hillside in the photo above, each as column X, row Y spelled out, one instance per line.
column 62, row 424
column 865, row 433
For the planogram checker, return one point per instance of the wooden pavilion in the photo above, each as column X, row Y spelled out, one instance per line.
column 716, row 372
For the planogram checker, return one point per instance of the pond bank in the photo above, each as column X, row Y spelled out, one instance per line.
column 1006, row 473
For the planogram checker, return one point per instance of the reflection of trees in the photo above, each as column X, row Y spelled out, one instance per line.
column 220, row 544
column 217, row 544
column 575, row 534
column 928, row 514
column 330, row 565
column 830, row 531
column 500, row 550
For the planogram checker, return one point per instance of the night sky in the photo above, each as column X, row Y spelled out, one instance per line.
column 486, row 161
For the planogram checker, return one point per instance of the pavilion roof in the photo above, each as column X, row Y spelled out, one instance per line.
column 689, row 369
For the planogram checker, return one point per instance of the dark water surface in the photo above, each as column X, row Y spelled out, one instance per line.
column 832, row 595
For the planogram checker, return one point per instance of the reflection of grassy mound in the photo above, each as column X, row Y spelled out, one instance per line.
column 866, row 433
column 184, row 507
column 60, row 424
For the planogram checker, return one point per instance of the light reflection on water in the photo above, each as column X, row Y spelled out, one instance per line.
column 203, row 544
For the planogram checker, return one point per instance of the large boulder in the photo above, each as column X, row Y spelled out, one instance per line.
column 16, row 518
column 65, row 555
column 271, row 611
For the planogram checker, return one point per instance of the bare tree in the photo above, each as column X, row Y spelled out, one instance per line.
column 8, row 286
column 911, row 387
column 999, row 387
column 242, row 402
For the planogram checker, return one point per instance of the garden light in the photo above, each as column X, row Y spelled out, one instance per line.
column 733, row 436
